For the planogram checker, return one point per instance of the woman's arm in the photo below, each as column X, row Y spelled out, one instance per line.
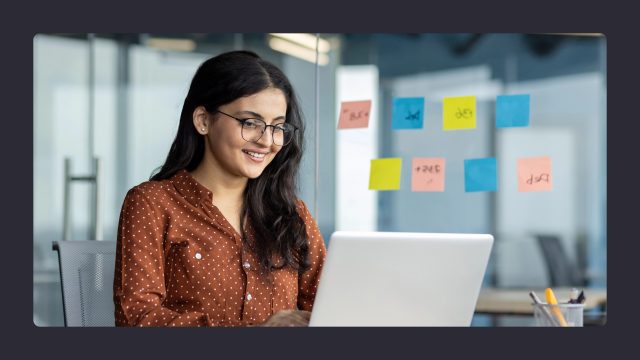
column 139, row 279
column 308, row 280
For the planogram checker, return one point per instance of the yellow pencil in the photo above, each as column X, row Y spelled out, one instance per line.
column 551, row 300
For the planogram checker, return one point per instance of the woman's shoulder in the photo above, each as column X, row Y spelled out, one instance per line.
column 301, row 206
column 303, row 210
column 151, row 188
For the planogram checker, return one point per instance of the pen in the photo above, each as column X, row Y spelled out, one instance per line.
column 581, row 298
column 551, row 299
column 573, row 297
column 545, row 310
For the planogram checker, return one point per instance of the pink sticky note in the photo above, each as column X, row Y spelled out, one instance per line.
column 427, row 174
column 534, row 174
column 354, row 114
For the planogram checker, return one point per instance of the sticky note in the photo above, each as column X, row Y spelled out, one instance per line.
column 427, row 174
column 534, row 174
column 354, row 114
column 480, row 175
column 459, row 113
column 512, row 111
column 385, row 174
column 407, row 113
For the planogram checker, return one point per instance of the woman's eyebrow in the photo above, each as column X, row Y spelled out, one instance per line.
column 257, row 116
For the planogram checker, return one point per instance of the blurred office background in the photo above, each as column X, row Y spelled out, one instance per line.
column 117, row 98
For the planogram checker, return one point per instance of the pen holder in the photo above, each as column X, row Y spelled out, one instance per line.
column 558, row 315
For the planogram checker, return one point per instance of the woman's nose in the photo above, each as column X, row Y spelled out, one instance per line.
column 267, row 137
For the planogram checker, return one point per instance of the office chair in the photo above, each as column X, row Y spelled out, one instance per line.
column 86, row 278
column 562, row 271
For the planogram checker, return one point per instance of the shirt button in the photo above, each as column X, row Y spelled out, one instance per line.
column 198, row 256
column 249, row 297
column 246, row 265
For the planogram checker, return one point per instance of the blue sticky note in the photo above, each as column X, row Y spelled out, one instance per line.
column 407, row 113
column 480, row 175
column 512, row 111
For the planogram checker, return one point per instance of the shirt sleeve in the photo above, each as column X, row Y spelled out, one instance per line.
column 309, row 279
column 139, row 284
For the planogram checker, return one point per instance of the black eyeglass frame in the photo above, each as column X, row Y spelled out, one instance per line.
column 273, row 128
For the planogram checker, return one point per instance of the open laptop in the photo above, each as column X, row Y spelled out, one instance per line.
column 401, row 279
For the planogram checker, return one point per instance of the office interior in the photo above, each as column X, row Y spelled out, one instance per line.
column 106, row 107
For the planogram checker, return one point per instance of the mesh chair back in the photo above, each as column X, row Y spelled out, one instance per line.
column 86, row 277
column 562, row 271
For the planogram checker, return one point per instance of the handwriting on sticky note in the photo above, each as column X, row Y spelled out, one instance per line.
column 412, row 116
column 463, row 113
column 427, row 174
column 540, row 178
column 407, row 113
column 354, row 114
column 459, row 113
column 385, row 174
column 534, row 174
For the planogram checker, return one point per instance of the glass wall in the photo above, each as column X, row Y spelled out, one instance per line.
column 117, row 98
column 565, row 77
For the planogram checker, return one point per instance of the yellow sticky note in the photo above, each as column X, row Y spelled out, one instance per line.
column 385, row 174
column 459, row 113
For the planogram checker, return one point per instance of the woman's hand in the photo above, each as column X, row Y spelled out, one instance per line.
column 288, row 318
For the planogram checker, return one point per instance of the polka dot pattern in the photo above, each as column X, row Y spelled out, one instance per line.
column 179, row 262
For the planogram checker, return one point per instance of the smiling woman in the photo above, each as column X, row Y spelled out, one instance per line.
column 218, row 237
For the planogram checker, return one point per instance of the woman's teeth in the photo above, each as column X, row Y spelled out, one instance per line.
column 255, row 155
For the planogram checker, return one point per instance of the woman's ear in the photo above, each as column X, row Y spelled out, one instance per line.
column 201, row 120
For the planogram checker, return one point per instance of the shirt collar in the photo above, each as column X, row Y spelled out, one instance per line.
column 194, row 192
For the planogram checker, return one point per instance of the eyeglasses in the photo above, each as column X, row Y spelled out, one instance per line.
column 253, row 129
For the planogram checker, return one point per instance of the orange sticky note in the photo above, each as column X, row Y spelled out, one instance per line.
column 427, row 174
column 459, row 113
column 534, row 174
column 385, row 174
column 354, row 114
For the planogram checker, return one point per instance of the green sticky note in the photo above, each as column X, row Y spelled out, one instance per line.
column 459, row 113
column 385, row 174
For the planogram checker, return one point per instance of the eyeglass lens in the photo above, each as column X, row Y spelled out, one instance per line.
column 253, row 130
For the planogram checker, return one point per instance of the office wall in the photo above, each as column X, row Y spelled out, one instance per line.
column 568, row 125
column 452, row 210
column 566, row 78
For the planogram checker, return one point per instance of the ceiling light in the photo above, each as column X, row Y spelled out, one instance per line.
column 298, row 51
column 171, row 44
column 306, row 40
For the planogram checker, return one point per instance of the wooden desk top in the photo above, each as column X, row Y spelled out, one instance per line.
column 518, row 302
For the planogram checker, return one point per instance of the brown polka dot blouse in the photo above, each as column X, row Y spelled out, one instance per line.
column 179, row 262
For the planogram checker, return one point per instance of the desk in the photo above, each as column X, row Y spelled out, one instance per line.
column 507, row 301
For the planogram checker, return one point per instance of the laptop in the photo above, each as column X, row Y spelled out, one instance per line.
column 400, row 279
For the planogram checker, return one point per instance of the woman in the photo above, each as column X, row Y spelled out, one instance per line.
column 217, row 237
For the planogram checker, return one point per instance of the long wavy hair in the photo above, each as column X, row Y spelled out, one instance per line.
column 280, row 237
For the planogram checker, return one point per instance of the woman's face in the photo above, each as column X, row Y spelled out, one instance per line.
column 236, row 156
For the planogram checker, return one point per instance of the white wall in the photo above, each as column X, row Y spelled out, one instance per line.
column 356, row 205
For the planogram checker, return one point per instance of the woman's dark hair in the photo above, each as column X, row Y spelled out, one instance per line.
column 280, row 237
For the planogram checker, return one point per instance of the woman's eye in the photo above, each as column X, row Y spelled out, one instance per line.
column 250, row 123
